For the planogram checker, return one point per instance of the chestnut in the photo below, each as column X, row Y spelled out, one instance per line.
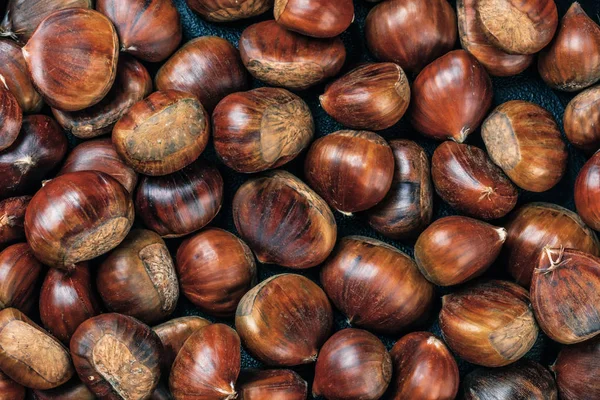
column 29, row 355
column 535, row 226
column 586, row 190
column 387, row 24
column 21, row 274
column 174, row 333
column 261, row 129
column 320, row 18
column 408, row 207
column 209, row 67
column 571, row 62
column 280, row 57
column 207, row 365
column 72, row 58
column 581, row 120
column 11, row 118
column 576, row 370
column 15, row 77
column 138, row 278
column 117, row 357
column 284, row 320
column 11, row 390
column 229, row 10
column 148, row 29
column 466, row 178
column 353, row 364
column 362, row 271
column 163, row 133
column 450, row 97
column 489, row 323
column 12, row 216
column 72, row 390
column 77, row 217
column 424, row 369
column 283, row 221
column 351, row 170
column 180, row 203
column 372, row 96
column 280, row 384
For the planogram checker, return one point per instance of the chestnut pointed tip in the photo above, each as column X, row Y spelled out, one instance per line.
column 502, row 234
column 346, row 214
column 462, row 135
column 575, row 9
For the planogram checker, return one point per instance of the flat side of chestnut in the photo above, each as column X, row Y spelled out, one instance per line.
column 12, row 217
column 582, row 120
column 21, row 273
column 11, row 118
column 229, row 10
column 15, row 77
column 283, row 384
column 321, row 18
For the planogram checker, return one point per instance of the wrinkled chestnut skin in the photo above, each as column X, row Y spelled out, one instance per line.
column 576, row 370
column 72, row 390
column 283, row 221
column 11, row 390
column 261, row 129
column 450, row 97
column 362, row 271
column 180, row 203
column 12, row 218
column 11, row 118
column 535, row 226
column 582, row 120
column 424, row 369
column 353, row 364
column 173, row 335
column 21, row 274
column 209, row 67
column 587, row 190
column 281, row 384
column 320, row 18
column 280, row 57
column 229, row 10
column 15, row 77
column 408, row 207
column 263, row 320
column 466, row 178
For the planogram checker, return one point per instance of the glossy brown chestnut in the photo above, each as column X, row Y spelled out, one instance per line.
column 72, row 58
column 582, row 120
column 11, row 390
column 489, row 324
column 351, row 170
column 173, row 335
column 387, row 24
column 72, row 390
column 15, row 77
column 321, row 18
column 280, row 57
column 12, row 217
column 261, row 129
column 362, row 272
column 372, row 96
column 11, row 118
column 180, row 203
column 21, row 274
column 280, row 384
column 229, row 10
column 576, row 369
column 353, row 364
column 450, row 97
column 535, row 226
column 466, row 178
column 117, row 357
column 408, row 207
column 132, row 84
column 207, row 365
column 283, row 221
column 209, row 67
column 77, row 217
column 265, row 314
column 29, row 355
column 163, row 133
column 138, row 278
column 587, row 190
column 424, row 369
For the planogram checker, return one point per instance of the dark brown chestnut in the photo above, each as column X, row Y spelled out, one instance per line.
column 261, row 129
column 581, row 120
column 353, row 364
column 15, row 77
column 450, row 97
column 283, row 221
column 284, row 320
column 11, row 118
column 362, row 272
column 72, row 390
column 587, row 190
column 280, row 384
column 11, row 390
column 76, row 217
column 489, row 324
column 387, row 24
column 229, row 10
column 284, row 58
column 180, row 203
column 351, row 170
column 72, row 58
column 209, row 67
column 466, row 178
column 321, row 18
column 173, row 335
column 21, row 274
column 576, row 369
column 424, row 369
column 12, row 218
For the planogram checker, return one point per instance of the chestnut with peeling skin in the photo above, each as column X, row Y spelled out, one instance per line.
column 320, row 18
column 576, row 370
column 15, row 77
column 281, row 384
column 21, row 274
column 229, row 10
column 174, row 333
column 11, row 118
column 11, row 390
column 12, row 217
column 587, row 190
column 581, row 120
column 72, row 390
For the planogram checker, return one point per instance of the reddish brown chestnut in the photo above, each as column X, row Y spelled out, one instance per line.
column 11, row 118
column 280, row 384
column 587, row 187
column 173, row 335
column 21, row 273
column 321, row 18
column 72, row 390
column 12, row 217
column 582, row 120
column 576, row 369
column 11, row 390
column 15, row 77
column 229, row 10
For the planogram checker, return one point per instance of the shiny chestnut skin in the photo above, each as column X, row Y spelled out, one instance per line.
column 180, row 203
column 261, row 129
column 283, row 221
column 72, row 58
column 371, row 96
column 77, row 217
column 387, row 24
column 320, row 18
column 362, row 271
column 280, row 57
column 351, row 170
column 11, row 118
column 72, row 390
column 466, row 178
column 15, row 77
column 408, row 207
column 581, row 120
column 576, row 370
column 229, row 10
column 11, row 390
column 450, row 97
column 12, row 217
column 263, row 320
column 281, row 384
column 424, row 369
column 587, row 187
column 173, row 335
column 535, row 226
column 353, row 364
column 21, row 274
column 209, row 67
column 163, row 133
column 490, row 323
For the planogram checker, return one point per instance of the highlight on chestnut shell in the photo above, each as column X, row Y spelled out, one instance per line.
column 13, row 70
column 282, row 384
column 587, row 190
column 229, row 10
column 320, row 18
column 581, row 120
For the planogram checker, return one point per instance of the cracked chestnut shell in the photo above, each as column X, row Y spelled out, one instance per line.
column 581, row 120
column 72, row 390
column 15, row 77
column 281, row 384
column 12, row 217
column 229, row 10
column 320, row 18
column 11, row 390
column 11, row 118
column 173, row 335
column 21, row 274
column 587, row 190
column 576, row 370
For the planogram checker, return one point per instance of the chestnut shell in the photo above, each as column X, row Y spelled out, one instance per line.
column 582, row 120
column 15, row 77
column 21, row 274
column 229, row 10
column 72, row 390
column 173, row 335
column 12, row 218
column 320, row 18
column 587, row 189
column 11, row 118
column 11, row 390
column 576, row 370
column 280, row 384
